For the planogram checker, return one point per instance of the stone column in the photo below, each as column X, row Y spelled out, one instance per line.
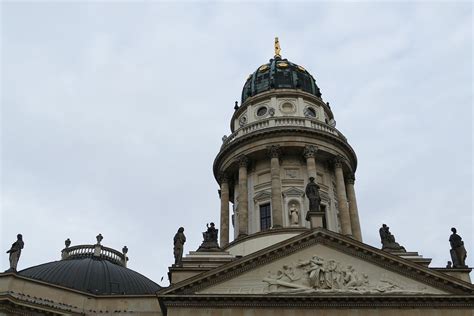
column 310, row 155
column 243, row 207
column 353, row 211
column 224, row 232
column 277, row 215
column 341, row 198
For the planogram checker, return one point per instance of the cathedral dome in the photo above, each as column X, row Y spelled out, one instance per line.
column 93, row 269
column 279, row 73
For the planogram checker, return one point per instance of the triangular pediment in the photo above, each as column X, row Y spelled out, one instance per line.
column 262, row 196
column 320, row 262
column 293, row 192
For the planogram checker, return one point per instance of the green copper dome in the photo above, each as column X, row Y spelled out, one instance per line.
column 279, row 74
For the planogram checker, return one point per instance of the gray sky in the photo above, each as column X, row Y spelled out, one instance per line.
column 112, row 114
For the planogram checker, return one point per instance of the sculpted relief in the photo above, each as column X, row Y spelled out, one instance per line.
column 326, row 275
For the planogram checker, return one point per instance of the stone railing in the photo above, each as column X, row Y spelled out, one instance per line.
column 95, row 251
column 280, row 122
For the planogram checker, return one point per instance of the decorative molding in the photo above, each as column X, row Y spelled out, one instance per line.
column 338, row 161
column 223, row 178
column 243, row 161
column 262, row 196
column 310, row 151
column 293, row 192
column 274, row 151
column 243, row 120
column 350, row 178
column 320, row 275
column 332, row 240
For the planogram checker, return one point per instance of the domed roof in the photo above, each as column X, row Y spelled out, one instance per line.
column 94, row 269
column 279, row 73
column 92, row 275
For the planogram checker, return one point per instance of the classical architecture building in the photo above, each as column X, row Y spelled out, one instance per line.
column 289, row 240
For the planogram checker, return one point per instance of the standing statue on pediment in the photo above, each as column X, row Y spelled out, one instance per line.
column 179, row 240
column 15, row 252
column 458, row 252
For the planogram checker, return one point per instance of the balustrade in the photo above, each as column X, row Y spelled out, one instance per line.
column 89, row 251
column 282, row 121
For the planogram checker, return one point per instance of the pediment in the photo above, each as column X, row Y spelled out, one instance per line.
column 262, row 196
column 320, row 262
column 293, row 192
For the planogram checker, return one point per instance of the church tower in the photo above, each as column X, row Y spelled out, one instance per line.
column 282, row 134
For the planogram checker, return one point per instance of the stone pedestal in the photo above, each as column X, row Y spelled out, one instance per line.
column 315, row 219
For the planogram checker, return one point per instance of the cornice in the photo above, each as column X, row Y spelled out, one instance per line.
column 283, row 131
column 318, row 301
column 330, row 239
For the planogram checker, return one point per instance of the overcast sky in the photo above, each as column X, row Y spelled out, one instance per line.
column 112, row 114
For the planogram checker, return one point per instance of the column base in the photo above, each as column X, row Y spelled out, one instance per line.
column 277, row 227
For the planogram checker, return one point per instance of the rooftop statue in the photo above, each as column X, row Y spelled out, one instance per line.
column 312, row 192
column 179, row 240
column 388, row 240
column 277, row 47
column 15, row 252
column 210, row 239
column 99, row 238
column 458, row 252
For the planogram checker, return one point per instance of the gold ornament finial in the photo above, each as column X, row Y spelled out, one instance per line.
column 277, row 47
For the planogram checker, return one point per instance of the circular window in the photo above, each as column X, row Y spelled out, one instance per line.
column 311, row 112
column 261, row 111
column 242, row 120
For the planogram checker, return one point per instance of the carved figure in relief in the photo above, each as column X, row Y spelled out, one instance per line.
column 15, row 252
column 312, row 192
column 458, row 252
column 294, row 215
column 320, row 275
column 179, row 240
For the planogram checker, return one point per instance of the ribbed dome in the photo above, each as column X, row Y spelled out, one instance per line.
column 92, row 275
column 279, row 74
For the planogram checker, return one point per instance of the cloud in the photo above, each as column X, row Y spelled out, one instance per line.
column 113, row 113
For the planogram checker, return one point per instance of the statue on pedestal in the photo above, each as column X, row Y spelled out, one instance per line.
column 15, row 252
column 210, row 239
column 312, row 193
column 388, row 240
column 179, row 240
column 458, row 252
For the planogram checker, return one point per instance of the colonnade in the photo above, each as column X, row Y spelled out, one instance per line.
column 347, row 203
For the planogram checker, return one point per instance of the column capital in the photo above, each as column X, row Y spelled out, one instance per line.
column 350, row 178
column 222, row 177
column 338, row 161
column 243, row 161
column 310, row 151
column 274, row 151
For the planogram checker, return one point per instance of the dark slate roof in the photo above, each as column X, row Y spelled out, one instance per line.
column 91, row 275
column 279, row 74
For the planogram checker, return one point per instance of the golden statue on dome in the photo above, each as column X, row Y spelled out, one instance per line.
column 277, row 47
